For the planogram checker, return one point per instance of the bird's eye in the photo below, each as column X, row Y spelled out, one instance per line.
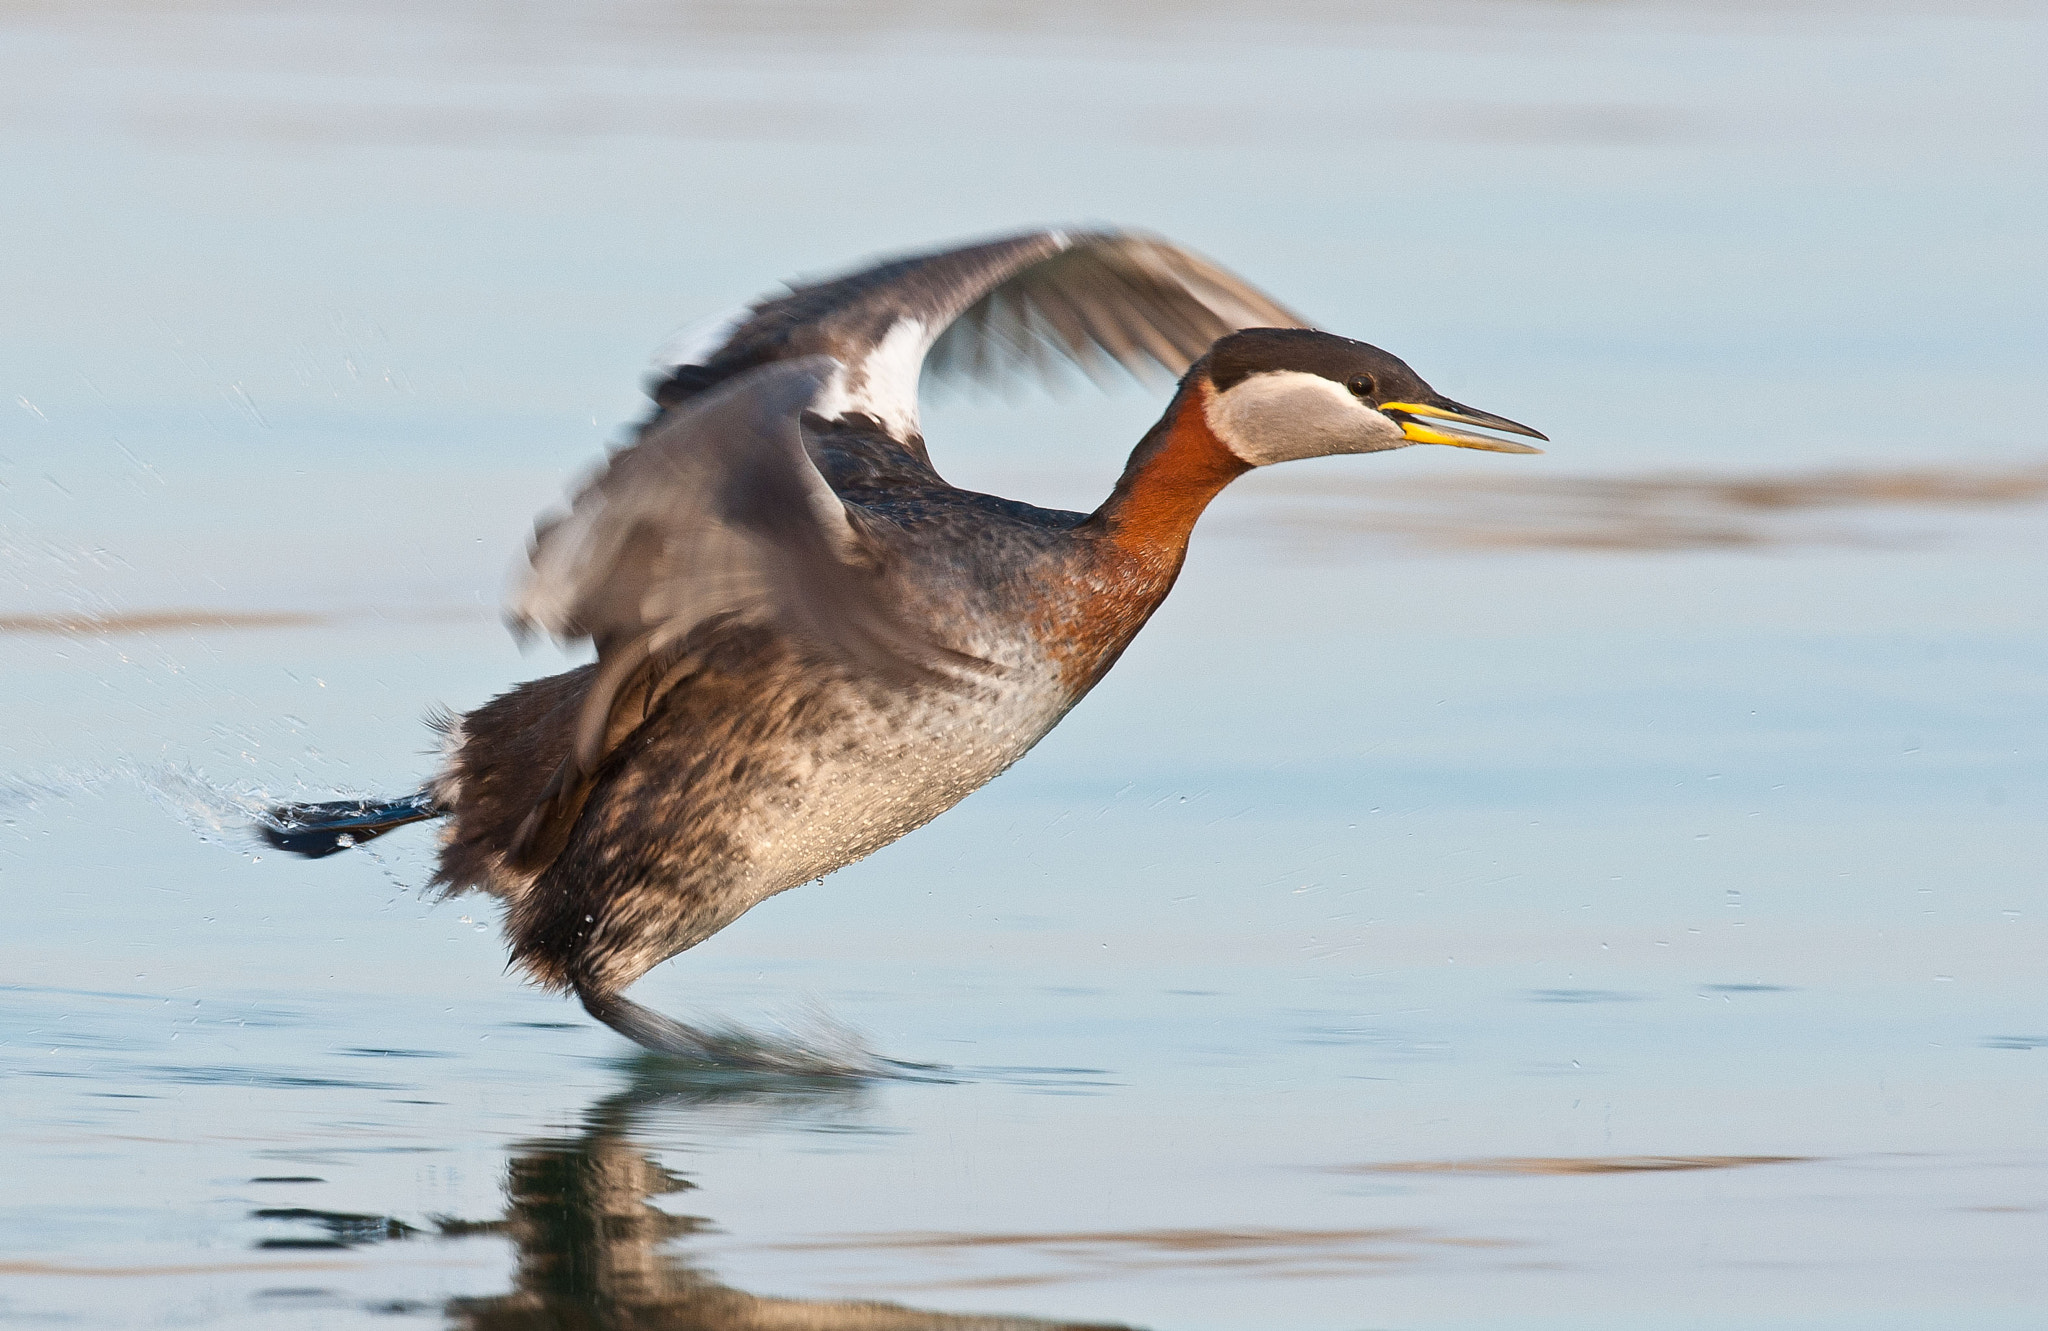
column 1360, row 384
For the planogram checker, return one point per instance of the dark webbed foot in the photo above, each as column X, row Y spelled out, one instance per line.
column 317, row 830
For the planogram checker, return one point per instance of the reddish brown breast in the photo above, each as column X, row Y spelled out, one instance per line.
column 1138, row 539
column 1176, row 469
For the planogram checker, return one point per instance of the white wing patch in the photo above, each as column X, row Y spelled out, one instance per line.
column 1034, row 304
column 883, row 384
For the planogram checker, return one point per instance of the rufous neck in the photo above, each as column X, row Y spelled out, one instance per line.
column 1176, row 469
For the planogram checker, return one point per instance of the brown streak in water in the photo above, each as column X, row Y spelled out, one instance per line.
column 1678, row 511
column 1264, row 1254
column 178, row 620
column 1149, row 1240
column 1826, row 489
column 1548, row 1165
column 151, row 621
column 214, row 1268
column 1170, row 1240
column 986, row 1282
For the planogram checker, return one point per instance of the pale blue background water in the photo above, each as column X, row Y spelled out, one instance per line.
column 1364, row 854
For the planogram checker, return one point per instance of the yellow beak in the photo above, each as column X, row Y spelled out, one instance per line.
column 1443, row 409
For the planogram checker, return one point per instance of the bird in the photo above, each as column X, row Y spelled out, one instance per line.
column 808, row 644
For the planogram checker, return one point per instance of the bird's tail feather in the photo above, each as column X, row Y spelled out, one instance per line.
column 314, row 830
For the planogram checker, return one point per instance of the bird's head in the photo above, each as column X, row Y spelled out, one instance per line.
column 1284, row 393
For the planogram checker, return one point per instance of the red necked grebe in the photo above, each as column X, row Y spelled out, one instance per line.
column 808, row 644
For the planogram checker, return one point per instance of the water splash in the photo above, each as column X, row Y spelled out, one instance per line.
column 211, row 809
column 29, row 793
column 806, row 1043
column 219, row 813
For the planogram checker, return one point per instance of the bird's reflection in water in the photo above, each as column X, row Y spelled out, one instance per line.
column 594, row 1250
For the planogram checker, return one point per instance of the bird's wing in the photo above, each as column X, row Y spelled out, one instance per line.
column 985, row 312
column 716, row 511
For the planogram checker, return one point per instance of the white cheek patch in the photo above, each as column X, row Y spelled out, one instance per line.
column 1282, row 415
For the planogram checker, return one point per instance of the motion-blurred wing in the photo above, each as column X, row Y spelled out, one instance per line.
column 1093, row 299
column 717, row 511
column 1134, row 302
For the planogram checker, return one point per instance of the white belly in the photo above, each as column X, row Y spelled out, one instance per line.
column 883, row 771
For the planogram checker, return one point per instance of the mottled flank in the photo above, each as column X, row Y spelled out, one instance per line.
column 745, row 764
column 510, row 747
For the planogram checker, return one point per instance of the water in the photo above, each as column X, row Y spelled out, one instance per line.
column 1593, row 891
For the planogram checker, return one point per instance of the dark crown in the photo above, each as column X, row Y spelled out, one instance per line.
column 1309, row 351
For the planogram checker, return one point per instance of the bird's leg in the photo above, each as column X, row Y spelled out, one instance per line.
column 838, row 1055
column 649, row 1029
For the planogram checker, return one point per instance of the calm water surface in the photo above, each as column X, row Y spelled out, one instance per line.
column 1611, row 900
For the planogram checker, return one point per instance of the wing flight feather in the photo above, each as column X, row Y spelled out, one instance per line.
column 1106, row 300
column 1027, row 305
column 717, row 511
